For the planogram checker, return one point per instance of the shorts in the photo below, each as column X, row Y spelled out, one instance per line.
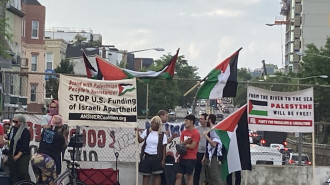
column 186, row 166
column 150, row 164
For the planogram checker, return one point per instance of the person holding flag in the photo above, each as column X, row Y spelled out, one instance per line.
column 213, row 155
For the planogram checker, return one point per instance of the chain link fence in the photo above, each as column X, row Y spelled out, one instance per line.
column 30, row 93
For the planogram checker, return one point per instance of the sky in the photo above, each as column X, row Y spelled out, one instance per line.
column 206, row 31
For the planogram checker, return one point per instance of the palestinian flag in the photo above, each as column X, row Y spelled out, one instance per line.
column 108, row 71
column 258, row 108
column 234, row 135
column 124, row 88
column 167, row 72
column 170, row 67
column 90, row 71
column 221, row 81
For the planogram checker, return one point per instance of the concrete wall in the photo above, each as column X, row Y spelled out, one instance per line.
column 260, row 174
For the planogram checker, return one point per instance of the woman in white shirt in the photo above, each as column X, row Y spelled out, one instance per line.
column 152, row 152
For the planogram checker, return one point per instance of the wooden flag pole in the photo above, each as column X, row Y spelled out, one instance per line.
column 191, row 89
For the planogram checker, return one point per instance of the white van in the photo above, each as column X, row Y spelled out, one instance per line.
column 276, row 146
column 265, row 155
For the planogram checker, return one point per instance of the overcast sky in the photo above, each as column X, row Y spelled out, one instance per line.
column 206, row 31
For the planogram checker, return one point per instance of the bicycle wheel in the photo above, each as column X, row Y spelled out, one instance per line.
column 25, row 182
column 78, row 183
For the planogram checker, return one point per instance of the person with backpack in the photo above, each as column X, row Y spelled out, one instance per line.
column 152, row 157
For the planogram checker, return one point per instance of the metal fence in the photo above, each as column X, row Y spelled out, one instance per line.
column 30, row 93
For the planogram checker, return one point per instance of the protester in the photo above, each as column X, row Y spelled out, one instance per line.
column 190, row 139
column 163, row 114
column 51, row 145
column 213, row 155
column 152, row 152
column 201, row 149
column 19, row 158
column 2, row 141
column 237, row 178
column 6, row 126
column 52, row 110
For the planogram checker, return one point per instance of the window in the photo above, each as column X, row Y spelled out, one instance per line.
column 35, row 30
column 49, row 61
column 33, row 92
column 34, row 60
column 49, row 89
column 12, row 79
column 21, row 86
column 23, row 28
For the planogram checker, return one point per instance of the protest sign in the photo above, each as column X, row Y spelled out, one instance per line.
column 280, row 111
column 103, row 103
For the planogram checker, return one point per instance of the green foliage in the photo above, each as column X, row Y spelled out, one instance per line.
column 165, row 94
column 79, row 39
column 242, row 75
column 315, row 65
column 65, row 67
column 4, row 26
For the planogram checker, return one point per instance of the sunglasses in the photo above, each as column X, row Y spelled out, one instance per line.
column 15, row 121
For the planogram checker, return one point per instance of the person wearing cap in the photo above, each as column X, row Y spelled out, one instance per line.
column 51, row 145
column 19, row 158
column 190, row 138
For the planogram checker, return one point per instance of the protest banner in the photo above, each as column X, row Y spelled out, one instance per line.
column 280, row 111
column 101, row 143
column 103, row 103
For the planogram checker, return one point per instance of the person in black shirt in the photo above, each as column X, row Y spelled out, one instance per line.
column 51, row 145
column 18, row 162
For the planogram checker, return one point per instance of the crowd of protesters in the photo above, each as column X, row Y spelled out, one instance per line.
column 15, row 153
column 199, row 162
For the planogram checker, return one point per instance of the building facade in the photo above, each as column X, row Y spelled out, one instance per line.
column 34, row 50
column 307, row 21
column 13, row 96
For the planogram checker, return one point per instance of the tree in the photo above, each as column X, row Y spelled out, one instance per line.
column 166, row 94
column 315, row 65
column 65, row 67
column 243, row 75
column 79, row 39
column 4, row 26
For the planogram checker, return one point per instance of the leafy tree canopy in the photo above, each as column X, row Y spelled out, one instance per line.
column 165, row 94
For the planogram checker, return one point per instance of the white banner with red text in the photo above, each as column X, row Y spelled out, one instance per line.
column 84, row 101
column 280, row 111
column 101, row 143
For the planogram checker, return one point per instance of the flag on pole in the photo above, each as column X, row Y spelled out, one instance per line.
column 90, row 71
column 108, row 71
column 167, row 72
column 221, row 81
column 234, row 135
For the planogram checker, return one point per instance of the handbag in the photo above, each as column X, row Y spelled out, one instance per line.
column 144, row 146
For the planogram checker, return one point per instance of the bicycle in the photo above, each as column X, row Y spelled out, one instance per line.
column 76, row 142
column 69, row 172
